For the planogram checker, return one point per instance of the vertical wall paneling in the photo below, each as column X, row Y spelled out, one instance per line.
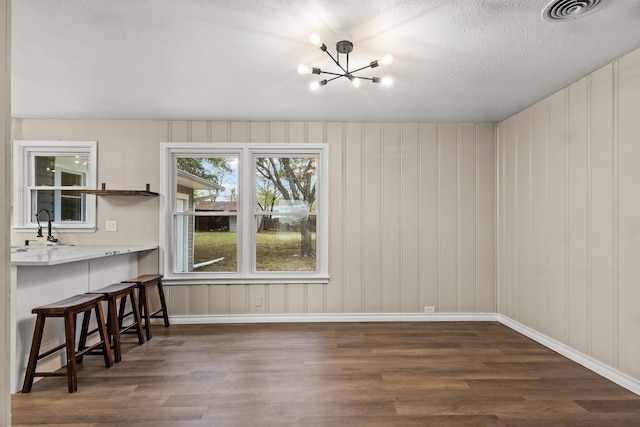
column 354, row 212
column 448, row 193
column 410, row 219
column 539, row 216
column 219, row 131
column 429, row 215
column 615, row 213
column 218, row 296
column 523, row 208
column 576, row 258
column 297, row 132
column 372, row 220
column 276, row 299
column 577, row 214
column 601, row 214
column 392, row 209
column 509, row 220
column 239, row 132
column 466, row 218
column 295, row 294
column 258, row 132
column 277, row 132
column 557, row 214
column 486, row 218
column 337, row 262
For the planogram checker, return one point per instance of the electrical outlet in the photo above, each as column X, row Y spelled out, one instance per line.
column 111, row 225
column 429, row 309
column 258, row 301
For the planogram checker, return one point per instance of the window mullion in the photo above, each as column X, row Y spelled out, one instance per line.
column 247, row 178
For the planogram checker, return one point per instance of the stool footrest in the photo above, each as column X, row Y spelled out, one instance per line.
column 89, row 349
column 50, row 352
column 50, row 374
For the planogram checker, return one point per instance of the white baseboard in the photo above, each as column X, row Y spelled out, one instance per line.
column 588, row 362
column 336, row 317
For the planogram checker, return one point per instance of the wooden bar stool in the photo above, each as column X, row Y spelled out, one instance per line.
column 112, row 294
column 143, row 284
column 68, row 309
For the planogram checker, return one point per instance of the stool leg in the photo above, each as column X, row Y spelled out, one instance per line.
column 144, row 304
column 136, row 315
column 104, row 335
column 33, row 355
column 84, row 332
column 70, row 338
column 113, row 328
column 123, row 307
column 163, row 304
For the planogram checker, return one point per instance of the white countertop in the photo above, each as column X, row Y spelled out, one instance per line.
column 39, row 255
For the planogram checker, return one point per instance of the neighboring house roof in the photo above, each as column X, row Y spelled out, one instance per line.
column 205, row 205
column 188, row 180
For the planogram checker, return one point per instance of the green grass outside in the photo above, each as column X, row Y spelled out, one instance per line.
column 276, row 251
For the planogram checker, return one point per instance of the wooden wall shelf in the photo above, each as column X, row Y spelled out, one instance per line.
column 105, row 192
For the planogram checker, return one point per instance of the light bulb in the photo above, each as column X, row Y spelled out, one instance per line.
column 387, row 81
column 316, row 85
column 386, row 60
column 355, row 82
column 315, row 39
column 304, row 69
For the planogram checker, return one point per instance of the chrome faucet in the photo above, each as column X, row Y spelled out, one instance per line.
column 50, row 238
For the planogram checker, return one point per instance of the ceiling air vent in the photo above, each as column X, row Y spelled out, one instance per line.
column 563, row 10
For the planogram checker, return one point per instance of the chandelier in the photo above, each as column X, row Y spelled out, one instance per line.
column 343, row 47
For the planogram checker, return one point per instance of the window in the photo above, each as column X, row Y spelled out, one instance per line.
column 244, row 213
column 48, row 176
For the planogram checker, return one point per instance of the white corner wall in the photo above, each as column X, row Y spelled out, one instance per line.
column 569, row 216
column 5, row 209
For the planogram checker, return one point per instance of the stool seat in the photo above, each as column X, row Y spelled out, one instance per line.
column 115, row 328
column 144, row 282
column 69, row 309
column 62, row 307
column 114, row 289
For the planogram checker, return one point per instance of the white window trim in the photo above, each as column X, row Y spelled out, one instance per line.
column 246, row 153
column 23, row 151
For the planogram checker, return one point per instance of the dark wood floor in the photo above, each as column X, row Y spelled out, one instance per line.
column 364, row 374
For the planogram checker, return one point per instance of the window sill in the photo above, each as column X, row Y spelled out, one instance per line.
column 59, row 229
column 253, row 280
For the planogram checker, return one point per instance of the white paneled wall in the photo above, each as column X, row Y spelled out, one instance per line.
column 569, row 216
column 412, row 211
column 412, row 220
column 5, row 208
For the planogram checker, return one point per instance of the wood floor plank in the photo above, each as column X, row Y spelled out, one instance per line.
column 329, row 374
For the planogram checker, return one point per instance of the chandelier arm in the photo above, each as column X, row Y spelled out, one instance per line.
column 360, row 69
column 363, row 78
column 333, row 74
column 334, row 60
column 338, row 76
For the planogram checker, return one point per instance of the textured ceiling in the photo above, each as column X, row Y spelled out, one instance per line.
column 455, row 60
